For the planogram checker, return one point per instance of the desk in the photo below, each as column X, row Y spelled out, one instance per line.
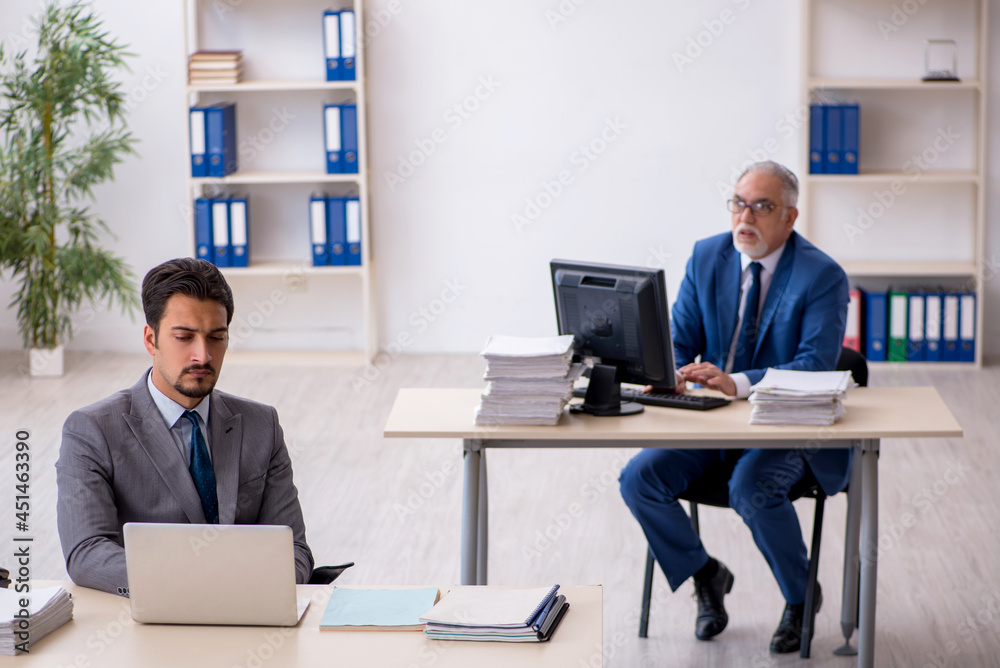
column 103, row 635
column 873, row 413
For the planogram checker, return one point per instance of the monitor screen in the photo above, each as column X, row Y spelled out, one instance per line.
column 618, row 316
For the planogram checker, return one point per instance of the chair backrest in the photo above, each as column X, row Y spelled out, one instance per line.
column 853, row 361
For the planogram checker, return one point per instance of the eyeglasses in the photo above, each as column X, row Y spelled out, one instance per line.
column 759, row 209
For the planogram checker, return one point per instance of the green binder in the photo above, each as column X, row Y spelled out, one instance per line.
column 898, row 320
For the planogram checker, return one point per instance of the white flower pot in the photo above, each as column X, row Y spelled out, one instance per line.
column 46, row 361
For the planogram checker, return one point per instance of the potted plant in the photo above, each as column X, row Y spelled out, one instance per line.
column 62, row 131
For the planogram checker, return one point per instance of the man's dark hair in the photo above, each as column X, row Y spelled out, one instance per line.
column 186, row 276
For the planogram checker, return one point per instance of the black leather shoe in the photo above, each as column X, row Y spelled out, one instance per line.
column 712, row 617
column 788, row 637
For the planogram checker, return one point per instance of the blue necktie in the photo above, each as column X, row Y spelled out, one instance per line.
column 202, row 472
column 747, row 342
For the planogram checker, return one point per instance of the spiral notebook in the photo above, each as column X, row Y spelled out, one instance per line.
column 492, row 607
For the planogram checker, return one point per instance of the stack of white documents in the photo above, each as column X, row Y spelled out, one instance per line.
column 48, row 609
column 799, row 397
column 530, row 380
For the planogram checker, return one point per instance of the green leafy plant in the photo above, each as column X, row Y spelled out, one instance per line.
column 63, row 130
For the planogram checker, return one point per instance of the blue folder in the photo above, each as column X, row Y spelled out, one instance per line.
column 349, row 137
column 239, row 232
column 333, row 139
column 203, row 229
column 220, row 233
column 352, row 215
column 933, row 310
column 336, row 230
column 348, row 46
column 850, row 127
column 198, row 142
column 817, row 145
column 220, row 124
column 949, row 327
column 317, row 231
column 967, row 327
column 834, row 139
column 331, row 45
column 916, row 328
column 876, row 315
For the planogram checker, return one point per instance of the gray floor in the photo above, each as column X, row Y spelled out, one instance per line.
column 394, row 508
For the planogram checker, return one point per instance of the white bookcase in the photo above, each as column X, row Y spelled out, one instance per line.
column 914, row 214
column 280, row 147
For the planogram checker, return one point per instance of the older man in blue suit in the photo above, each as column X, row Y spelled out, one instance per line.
column 761, row 296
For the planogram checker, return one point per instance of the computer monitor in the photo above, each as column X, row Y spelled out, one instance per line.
column 617, row 315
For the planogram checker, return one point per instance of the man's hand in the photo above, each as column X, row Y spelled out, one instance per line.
column 710, row 376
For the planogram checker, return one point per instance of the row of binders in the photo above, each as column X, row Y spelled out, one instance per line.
column 918, row 326
column 833, row 138
column 220, row 230
column 339, row 45
column 335, row 230
column 340, row 125
column 213, row 139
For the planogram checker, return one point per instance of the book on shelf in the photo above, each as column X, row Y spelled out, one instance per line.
column 213, row 67
column 392, row 609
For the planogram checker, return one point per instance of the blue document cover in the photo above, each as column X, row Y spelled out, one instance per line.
column 967, row 327
column 949, row 328
column 220, row 233
column 198, row 142
column 220, row 122
column 876, row 323
column 331, row 45
column 817, row 145
column 349, row 137
column 850, row 127
column 834, row 139
column 203, row 229
column 334, row 143
column 932, row 326
column 915, row 344
column 317, row 231
column 372, row 609
column 238, row 232
column 352, row 215
column 348, row 46
column 336, row 231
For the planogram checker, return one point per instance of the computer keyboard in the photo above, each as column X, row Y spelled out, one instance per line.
column 695, row 402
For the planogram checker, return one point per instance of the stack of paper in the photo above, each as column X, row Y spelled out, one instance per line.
column 47, row 609
column 377, row 609
column 215, row 67
column 799, row 397
column 500, row 614
column 530, row 380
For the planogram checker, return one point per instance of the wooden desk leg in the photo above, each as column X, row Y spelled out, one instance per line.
column 482, row 549
column 849, row 605
column 470, row 510
column 869, row 551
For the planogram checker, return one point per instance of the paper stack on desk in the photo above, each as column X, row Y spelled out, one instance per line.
column 504, row 614
column 799, row 397
column 530, row 380
column 47, row 609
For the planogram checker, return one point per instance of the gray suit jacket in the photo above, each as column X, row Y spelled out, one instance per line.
column 118, row 463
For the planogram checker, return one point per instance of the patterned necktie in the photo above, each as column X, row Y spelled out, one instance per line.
column 747, row 342
column 202, row 472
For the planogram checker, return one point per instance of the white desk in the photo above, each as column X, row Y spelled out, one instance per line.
column 103, row 635
column 872, row 414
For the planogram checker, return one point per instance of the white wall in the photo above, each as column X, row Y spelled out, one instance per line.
column 534, row 81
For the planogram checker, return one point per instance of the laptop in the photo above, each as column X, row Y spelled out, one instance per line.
column 240, row 574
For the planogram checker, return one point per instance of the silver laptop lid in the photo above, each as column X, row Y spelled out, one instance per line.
column 211, row 574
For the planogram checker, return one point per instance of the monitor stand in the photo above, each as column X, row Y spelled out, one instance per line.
column 604, row 395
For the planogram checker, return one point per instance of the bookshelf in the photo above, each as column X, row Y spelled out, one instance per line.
column 281, row 162
column 913, row 217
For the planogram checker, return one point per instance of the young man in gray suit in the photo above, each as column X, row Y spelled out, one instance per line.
column 171, row 448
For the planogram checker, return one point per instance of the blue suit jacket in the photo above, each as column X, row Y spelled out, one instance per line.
column 802, row 322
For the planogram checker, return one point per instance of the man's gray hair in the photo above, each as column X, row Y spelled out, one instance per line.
column 789, row 182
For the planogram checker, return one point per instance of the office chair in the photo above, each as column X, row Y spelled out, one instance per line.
column 714, row 491
column 323, row 575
